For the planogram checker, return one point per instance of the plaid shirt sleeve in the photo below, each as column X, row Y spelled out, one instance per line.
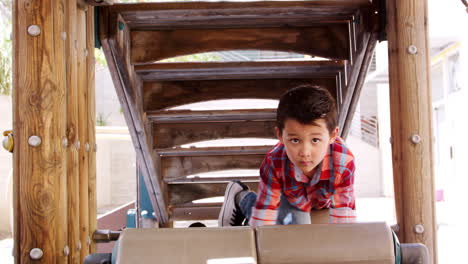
column 343, row 200
column 265, row 210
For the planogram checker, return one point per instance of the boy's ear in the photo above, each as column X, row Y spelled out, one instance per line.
column 333, row 135
column 278, row 134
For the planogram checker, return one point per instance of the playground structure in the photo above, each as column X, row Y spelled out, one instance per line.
column 54, row 117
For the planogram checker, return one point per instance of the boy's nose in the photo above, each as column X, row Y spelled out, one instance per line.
column 305, row 151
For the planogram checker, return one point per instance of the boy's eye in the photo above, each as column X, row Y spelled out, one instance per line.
column 294, row 140
column 316, row 140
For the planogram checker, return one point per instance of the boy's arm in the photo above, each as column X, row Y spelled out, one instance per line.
column 265, row 210
column 344, row 210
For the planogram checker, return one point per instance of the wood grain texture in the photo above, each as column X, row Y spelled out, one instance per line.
column 177, row 163
column 162, row 95
column 83, row 137
column 169, row 135
column 185, row 193
column 113, row 46
column 411, row 114
column 39, row 102
column 150, row 46
column 91, row 116
column 73, row 170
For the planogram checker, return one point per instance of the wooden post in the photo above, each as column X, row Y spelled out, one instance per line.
column 39, row 103
column 92, row 205
column 83, row 97
column 411, row 115
column 54, row 117
column 72, row 136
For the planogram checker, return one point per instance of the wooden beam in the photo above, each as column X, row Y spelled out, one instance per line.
column 83, row 136
column 121, row 76
column 73, row 169
column 411, row 118
column 358, row 76
column 150, row 46
column 343, row 5
column 90, row 146
column 195, row 211
column 185, row 193
column 177, row 163
column 162, row 95
column 221, row 179
column 238, row 70
column 175, row 128
column 39, row 110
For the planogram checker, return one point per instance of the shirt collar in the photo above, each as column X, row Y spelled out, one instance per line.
column 301, row 177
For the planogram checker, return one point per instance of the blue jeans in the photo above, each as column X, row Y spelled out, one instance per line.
column 287, row 214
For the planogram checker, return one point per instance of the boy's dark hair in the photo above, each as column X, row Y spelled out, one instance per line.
column 305, row 104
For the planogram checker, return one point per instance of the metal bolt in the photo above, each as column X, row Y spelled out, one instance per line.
column 412, row 49
column 63, row 35
column 77, row 144
column 65, row 142
column 86, row 146
column 415, row 138
column 34, row 30
column 95, row 147
column 419, row 229
column 34, row 141
column 66, row 251
column 88, row 241
column 36, row 253
column 78, row 245
column 86, row 52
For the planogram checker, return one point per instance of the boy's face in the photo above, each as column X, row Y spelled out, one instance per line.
column 306, row 145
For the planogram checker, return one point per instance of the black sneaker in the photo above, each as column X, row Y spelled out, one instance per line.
column 230, row 214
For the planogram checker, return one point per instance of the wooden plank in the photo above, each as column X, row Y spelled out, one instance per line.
column 176, row 163
column 188, row 116
column 39, row 103
column 162, row 95
column 150, row 46
column 121, row 78
column 411, row 119
column 316, row 4
column 184, row 193
column 83, row 137
column 238, row 70
column 73, row 169
column 195, row 212
column 90, row 146
column 169, row 135
column 358, row 78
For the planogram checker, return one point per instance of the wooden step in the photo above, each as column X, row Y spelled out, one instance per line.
column 160, row 30
column 177, row 163
column 184, row 193
column 175, row 128
column 173, row 84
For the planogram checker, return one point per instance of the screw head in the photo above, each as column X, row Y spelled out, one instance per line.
column 412, row 49
column 88, row 241
column 78, row 245
column 34, row 141
column 34, row 30
column 86, row 146
column 77, row 144
column 415, row 139
column 66, row 251
column 36, row 253
column 63, row 35
column 419, row 229
column 65, row 142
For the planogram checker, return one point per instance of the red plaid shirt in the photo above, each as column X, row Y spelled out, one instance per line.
column 331, row 186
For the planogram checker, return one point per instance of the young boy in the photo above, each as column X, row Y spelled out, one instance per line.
column 309, row 168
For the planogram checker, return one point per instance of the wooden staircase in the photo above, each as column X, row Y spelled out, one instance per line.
column 136, row 36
